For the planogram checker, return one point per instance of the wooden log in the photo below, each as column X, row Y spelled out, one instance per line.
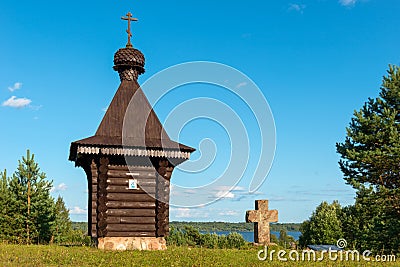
column 117, row 167
column 131, row 227
column 102, row 185
column 128, row 220
column 102, row 208
column 131, row 234
column 102, row 216
column 132, row 197
column 102, row 200
column 130, row 205
column 125, row 173
column 103, row 169
column 101, row 232
column 124, row 189
column 102, row 224
column 132, row 212
column 163, row 231
column 125, row 181
column 93, row 232
column 124, row 167
column 161, row 217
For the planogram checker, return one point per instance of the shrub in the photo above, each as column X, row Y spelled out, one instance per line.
column 235, row 240
column 190, row 236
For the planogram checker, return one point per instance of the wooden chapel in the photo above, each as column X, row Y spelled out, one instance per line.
column 128, row 163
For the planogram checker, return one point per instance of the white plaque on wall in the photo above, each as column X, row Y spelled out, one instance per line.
column 133, row 184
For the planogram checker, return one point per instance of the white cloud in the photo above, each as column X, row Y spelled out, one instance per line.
column 60, row 187
column 182, row 213
column 227, row 192
column 347, row 2
column 228, row 213
column 297, row 7
column 181, row 192
column 235, row 193
column 104, row 109
column 15, row 102
column 229, row 188
column 224, row 194
column 189, row 213
column 16, row 86
column 77, row 210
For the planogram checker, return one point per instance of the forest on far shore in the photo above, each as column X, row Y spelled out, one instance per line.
column 217, row 226
column 235, row 227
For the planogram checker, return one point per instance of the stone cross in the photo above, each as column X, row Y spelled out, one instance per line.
column 261, row 217
column 129, row 18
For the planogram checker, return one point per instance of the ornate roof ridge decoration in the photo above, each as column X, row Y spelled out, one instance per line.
column 140, row 152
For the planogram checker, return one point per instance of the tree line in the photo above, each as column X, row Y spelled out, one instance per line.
column 28, row 213
column 234, row 227
column 370, row 162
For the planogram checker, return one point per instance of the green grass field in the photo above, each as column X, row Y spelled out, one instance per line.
column 35, row 255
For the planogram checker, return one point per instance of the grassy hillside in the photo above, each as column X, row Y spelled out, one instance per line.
column 17, row 255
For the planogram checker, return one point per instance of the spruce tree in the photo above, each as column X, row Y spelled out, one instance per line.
column 62, row 227
column 31, row 204
column 5, row 198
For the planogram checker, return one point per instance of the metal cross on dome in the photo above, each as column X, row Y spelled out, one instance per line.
column 129, row 18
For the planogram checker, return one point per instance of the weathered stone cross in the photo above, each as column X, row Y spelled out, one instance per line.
column 261, row 217
column 128, row 31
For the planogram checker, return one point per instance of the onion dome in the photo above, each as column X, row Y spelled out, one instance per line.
column 129, row 62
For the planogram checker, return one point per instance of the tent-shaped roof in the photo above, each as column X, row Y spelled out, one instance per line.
column 140, row 129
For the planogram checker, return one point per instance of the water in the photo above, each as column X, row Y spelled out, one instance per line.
column 249, row 236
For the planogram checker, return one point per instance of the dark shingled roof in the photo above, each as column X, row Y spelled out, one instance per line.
column 142, row 128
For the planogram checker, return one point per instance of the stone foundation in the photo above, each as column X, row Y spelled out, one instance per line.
column 131, row 243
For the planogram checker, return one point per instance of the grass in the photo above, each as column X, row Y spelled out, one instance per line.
column 38, row 255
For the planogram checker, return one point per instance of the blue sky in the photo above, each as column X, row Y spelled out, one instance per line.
column 315, row 62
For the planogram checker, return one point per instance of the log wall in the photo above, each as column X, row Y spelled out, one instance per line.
column 130, row 212
column 116, row 211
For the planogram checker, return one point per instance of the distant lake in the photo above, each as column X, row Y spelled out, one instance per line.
column 249, row 236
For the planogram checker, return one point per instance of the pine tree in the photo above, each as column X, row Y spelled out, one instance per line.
column 371, row 151
column 31, row 204
column 62, row 228
column 370, row 162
